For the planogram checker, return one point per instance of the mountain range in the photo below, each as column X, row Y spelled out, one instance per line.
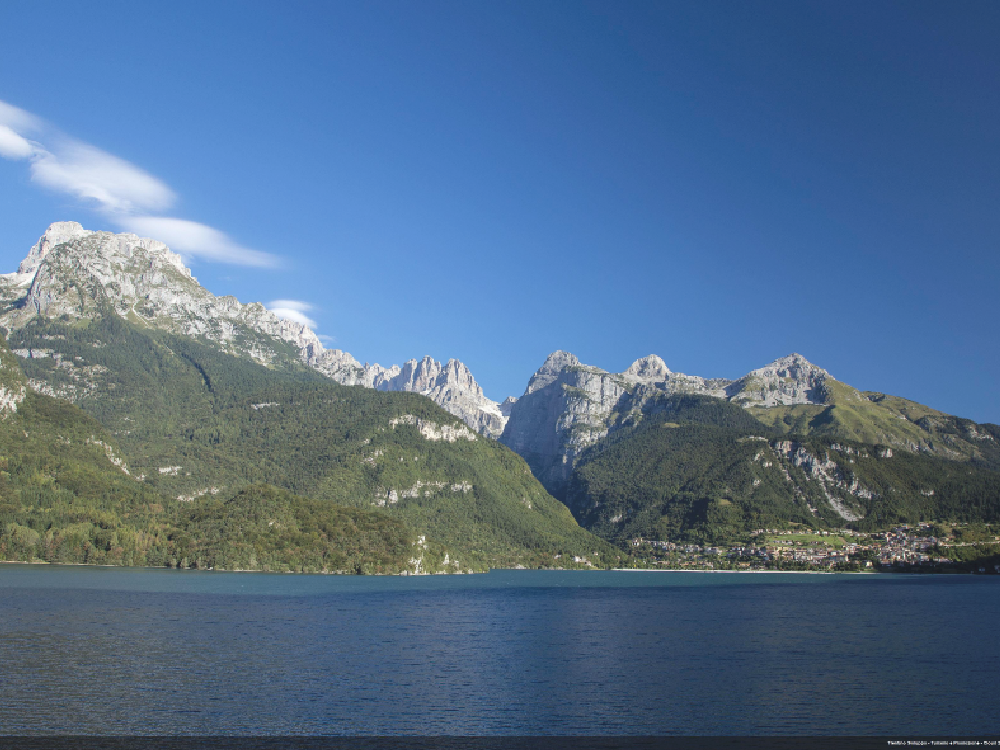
column 569, row 407
column 205, row 400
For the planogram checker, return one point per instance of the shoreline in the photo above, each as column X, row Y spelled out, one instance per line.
column 242, row 570
column 484, row 572
column 783, row 572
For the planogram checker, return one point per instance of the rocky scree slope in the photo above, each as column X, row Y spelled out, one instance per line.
column 70, row 271
column 568, row 407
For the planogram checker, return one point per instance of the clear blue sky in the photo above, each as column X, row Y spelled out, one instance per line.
column 717, row 183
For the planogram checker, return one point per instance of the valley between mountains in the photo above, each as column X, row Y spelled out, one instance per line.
column 146, row 421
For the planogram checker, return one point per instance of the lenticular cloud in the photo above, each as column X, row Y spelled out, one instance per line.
column 14, row 146
column 126, row 194
column 91, row 174
column 191, row 239
column 292, row 309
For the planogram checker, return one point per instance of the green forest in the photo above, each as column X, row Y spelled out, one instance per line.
column 703, row 470
column 197, row 427
column 62, row 499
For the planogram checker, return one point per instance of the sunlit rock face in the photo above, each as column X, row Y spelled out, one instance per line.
column 77, row 273
column 13, row 384
column 568, row 406
column 786, row 381
column 449, row 384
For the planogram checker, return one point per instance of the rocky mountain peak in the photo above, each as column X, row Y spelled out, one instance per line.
column 450, row 384
column 553, row 426
column 73, row 271
column 793, row 366
column 651, row 369
column 554, row 364
column 786, row 381
column 57, row 233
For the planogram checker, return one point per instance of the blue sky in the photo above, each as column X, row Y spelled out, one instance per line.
column 717, row 183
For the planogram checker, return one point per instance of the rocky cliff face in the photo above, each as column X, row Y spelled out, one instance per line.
column 569, row 406
column 13, row 384
column 566, row 408
column 450, row 385
column 75, row 272
column 785, row 382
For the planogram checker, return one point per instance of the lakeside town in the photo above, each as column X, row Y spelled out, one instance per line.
column 918, row 548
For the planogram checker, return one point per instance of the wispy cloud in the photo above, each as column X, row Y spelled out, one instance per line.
column 17, row 119
column 14, row 146
column 118, row 187
column 189, row 238
column 13, row 123
column 129, row 196
column 293, row 309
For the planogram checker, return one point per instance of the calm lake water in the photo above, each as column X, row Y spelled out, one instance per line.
column 138, row 651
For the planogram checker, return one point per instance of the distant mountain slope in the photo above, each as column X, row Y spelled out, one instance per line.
column 568, row 407
column 878, row 418
column 67, row 495
column 71, row 272
column 195, row 422
column 704, row 470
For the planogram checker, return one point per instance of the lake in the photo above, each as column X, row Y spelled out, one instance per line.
column 161, row 652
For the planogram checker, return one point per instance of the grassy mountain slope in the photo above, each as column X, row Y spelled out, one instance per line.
column 890, row 420
column 195, row 422
column 705, row 470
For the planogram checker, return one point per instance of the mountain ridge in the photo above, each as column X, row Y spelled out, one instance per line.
column 566, row 406
column 70, row 270
column 569, row 406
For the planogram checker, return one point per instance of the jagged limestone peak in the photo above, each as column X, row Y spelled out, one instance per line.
column 554, row 364
column 75, row 272
column 553, row 426
column 651, row 369
column 450, row 384
column 793, row 366
column 507, row 405
column 57, row 233
column 786, row 381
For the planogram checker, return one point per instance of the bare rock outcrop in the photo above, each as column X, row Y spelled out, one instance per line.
column 786, row 381
column 74, row 272
column 568, row 406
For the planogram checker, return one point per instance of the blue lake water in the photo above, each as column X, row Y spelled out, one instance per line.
column 138, row 651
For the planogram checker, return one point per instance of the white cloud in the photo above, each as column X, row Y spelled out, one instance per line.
column 13, row 145
column 292, row 309
column 191, row 239
column 92, row 174
column 326, row 339
column 126, row 194
column 17, row 119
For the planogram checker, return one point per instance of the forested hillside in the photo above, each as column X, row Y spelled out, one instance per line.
column 705, row 470
column 65, row 497
column 196, row 425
